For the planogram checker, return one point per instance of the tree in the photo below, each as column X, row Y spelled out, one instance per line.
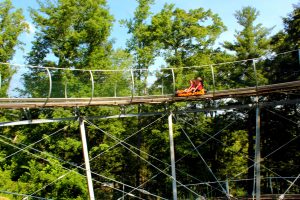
column 251, row 42
column 292, row 27
column 285, row 67
column 12, row 25
column 184, row 35
column 143, row 49
column 141, row 44
column 69, row 32
column 281, row 120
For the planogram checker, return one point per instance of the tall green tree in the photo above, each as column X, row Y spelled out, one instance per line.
column 12, row 25
column 182, row 35
column 142, row 47
column 70, row 32
column 285, row 67
column 281, row 120
column 141, row 44
column 251, row 42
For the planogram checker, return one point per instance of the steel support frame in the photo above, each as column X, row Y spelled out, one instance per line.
column 247, row 106
column 257, row 154
column 86, row 159
column 172, row 153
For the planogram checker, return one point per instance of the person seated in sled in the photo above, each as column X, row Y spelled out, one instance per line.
column 195, row 85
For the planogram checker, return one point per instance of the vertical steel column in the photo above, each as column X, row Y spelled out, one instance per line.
column 299, row 56
column 271, row 188
column 174, row 186
column 227, row 188
column 86, row 159
column 257, row 153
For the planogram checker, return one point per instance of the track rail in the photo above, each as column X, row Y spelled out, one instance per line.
column 159, row 99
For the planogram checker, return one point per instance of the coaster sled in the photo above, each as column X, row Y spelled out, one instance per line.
column 182, row 93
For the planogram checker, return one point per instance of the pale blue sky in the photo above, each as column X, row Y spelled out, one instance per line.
column 271, row 13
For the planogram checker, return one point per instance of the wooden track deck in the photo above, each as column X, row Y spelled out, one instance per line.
column 116, row 101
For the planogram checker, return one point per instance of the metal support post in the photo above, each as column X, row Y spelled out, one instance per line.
column 50, row 86
column 132, row 82
column 213, row 79
column 227, row 188
column 299, row 56
column 174, row 186
column 162, row 86
column 255, row 73
column 257, row 153
column 93, row 86
column 86, row 159
column 174, row 83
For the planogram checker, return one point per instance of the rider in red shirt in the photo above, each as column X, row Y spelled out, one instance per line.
column 195, row 85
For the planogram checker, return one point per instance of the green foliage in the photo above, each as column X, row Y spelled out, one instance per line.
column 69, row 31
column 251, row 41
column 183, row 36
column 76, row 33
column 141, row 44
column 285, row 68
column 292, row 27
column 12, row 25
column 69, row 185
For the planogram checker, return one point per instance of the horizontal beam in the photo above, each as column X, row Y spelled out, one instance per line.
column 36, row 121
column 189, row 110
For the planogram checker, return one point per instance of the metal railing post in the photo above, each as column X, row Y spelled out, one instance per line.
column 173, row 77
column 213, row 78
column 255, row 72
column 93, row 86
column 132, row 88
column 162, row 86
column 66, row 94
column 50, row 87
